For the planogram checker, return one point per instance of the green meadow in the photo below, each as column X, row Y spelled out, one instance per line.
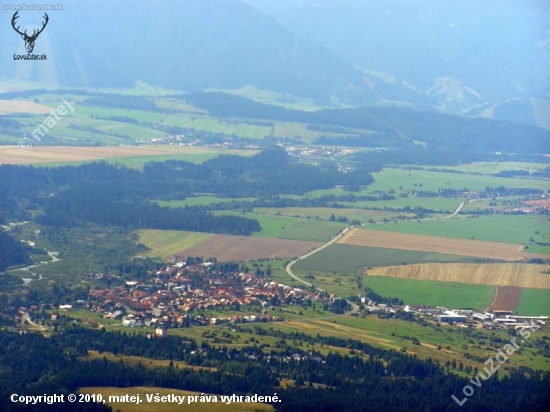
column 284, row 227
column 166, row 243
column 534, row 302
column 431, row 293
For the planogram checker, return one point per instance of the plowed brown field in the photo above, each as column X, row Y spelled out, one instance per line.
column 463, row 247
column 498, row 274
column 507, row 298
column 227, row 248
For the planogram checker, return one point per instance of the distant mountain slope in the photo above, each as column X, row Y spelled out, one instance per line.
column 434, row 129
column 498, row 49
column 534, row 111
column 186, row 45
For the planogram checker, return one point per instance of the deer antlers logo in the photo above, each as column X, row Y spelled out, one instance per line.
column 29, row 40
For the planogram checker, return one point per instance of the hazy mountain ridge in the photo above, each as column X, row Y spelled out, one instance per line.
column 188, row 45
column 449, row 57
column 494, row 50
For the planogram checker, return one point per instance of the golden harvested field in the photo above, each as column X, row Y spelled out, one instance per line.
column 47, row 154
column 18, row 106
column 499, row 274
column 227, row 248
column 422, row 243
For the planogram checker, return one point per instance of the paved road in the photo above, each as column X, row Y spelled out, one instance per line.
column 288, row 267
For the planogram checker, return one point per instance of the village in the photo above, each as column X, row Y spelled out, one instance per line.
column 181, row 295
column 197, row 294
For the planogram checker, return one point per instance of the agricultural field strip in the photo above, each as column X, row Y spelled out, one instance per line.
column 45, row 154
column 228, row 248
column 21, row 106
column 506, row 298
column 463, row 247
column 498, row 274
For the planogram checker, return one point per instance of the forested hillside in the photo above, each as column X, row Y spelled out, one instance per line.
column 12, row 252
column 387, row 380
column 472, row 136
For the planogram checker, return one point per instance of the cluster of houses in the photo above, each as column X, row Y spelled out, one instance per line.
column 318, row 151
column 181, row 296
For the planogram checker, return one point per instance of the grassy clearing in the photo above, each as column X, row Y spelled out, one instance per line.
column 489, row 168
column 272, row 226
column 396, row 334
column 202, row 201
column 324, row 213
column 136, row 360
column 166, row 406
column 312, row 230
column 349, row 259
column 534, row 302
column 165, row 243
column 292, row 228
column 213, row 125
column 270, row 97
column 496, row 228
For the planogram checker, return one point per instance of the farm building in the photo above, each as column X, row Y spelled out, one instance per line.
column 451, row 317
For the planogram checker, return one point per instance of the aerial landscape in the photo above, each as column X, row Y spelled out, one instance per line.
column 275, row 205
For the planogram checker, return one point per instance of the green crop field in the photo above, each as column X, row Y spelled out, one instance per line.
column 318, row 231
column 165, row 243
column 431, row 293
column 517, row 229
column 408, row 179
column 285, row 227
column 350, row 258
column 534, row 302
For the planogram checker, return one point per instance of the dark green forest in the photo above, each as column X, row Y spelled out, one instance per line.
column 12, row 252
column 111, row 195
column 381, row 380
